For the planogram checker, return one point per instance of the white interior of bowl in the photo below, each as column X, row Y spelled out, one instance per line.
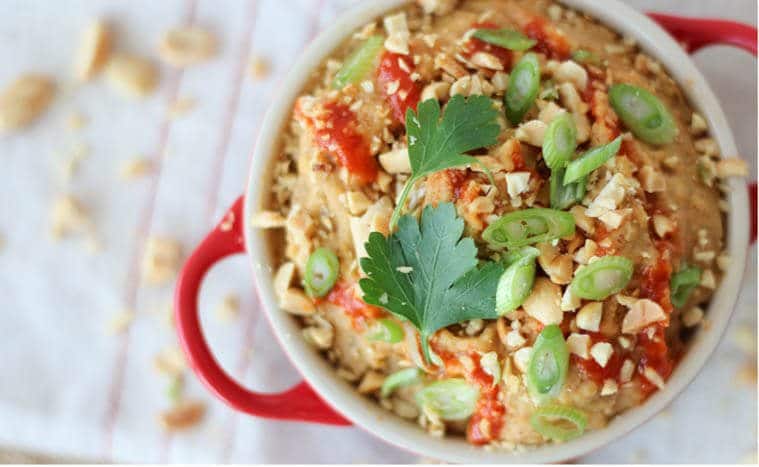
column 367, row 414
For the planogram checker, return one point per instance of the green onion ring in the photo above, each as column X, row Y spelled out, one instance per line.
column 591, row 160
column 321, row 273
column 544, row 419
column 547, row 368
column 601, row 278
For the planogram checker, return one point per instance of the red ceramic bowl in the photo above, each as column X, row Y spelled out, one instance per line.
column 323, row 397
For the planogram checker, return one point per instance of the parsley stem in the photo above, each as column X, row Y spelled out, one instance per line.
column 401, row 201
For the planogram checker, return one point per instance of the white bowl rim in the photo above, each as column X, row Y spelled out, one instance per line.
column 367, row 414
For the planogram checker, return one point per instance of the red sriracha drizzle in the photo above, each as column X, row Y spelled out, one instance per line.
column 474, row 45
column 595, row 372
column 654, row 285
column 344, row 296
column 408, row 93
column 655, row 355
column 550, row 42
column 489, row 407
column 340, row 136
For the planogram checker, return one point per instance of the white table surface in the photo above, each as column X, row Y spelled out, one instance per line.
column 69, row 389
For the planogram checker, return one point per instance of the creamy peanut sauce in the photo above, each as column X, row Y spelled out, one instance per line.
column 343, row 162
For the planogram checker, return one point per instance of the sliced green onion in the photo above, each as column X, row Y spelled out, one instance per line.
column 506, row 38
column 585, row 56
column 560, row 141
column 399, row 379
column 523, row 86
column 516, row 282
column 682, row 284
column 643, row 113
column 450, row 399
column 558, row 422
column 528, row 226
column 386, row 330
column 601, row 278
column 511, row 257
column 547, row 368
column 566, row 196
column 359, row 63
column 591, row 160
column 322, row 268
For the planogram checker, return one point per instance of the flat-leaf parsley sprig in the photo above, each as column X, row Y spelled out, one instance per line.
column 435, row 144
column 426, row 273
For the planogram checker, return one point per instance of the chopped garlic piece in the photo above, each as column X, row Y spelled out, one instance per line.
column 579, row 344
column 693, row 317
column 627, row 370
column 397, row 33
column 517, row 183
column 544, row 303
column 642, row 313
column 653, row 377
column 532, row 133
column 569, row 71
column 610, row 387
column 601, row 353
column 589, row 316
column 522, row 358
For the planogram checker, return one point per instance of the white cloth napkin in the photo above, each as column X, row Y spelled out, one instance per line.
column 69, row 388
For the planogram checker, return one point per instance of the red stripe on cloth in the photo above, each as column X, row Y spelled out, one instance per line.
column 116, row 385
column 244, row 360
column 233, row 103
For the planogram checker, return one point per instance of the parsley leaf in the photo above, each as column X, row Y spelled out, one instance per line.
column 435, row 144
column 444, row 286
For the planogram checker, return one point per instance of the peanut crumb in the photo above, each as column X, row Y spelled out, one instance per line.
column 76, row 121
column 120, row 322
column 187, row 45
column 229, row 308
column 161, row 261
column 182, row 416
column 259, row 67
column 170, row 361
column 24, row 100
column 94, row 49
column 132, row 75
column 68, row 216
column 135, row 168
column 180, row 107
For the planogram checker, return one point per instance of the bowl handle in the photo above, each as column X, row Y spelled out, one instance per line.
column 695, row 33
column 297, row 403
